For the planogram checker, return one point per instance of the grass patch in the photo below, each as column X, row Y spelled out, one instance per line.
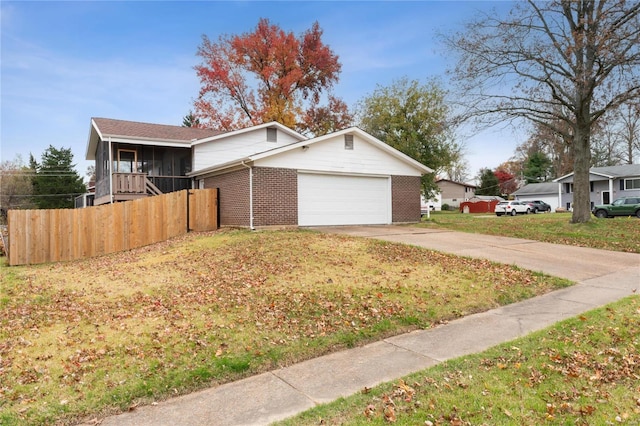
column 95, row 337
column 583, row 371
column 618, row 234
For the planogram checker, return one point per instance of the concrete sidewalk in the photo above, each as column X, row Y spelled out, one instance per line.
column 602, row 277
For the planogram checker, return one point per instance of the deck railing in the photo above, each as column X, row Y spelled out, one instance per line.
column 129, row 183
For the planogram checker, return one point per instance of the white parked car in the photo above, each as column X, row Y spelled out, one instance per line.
column 512, row 208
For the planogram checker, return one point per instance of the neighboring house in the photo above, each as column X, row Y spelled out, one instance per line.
column 453, row 193
column 549, row 192
column 266, row 174
column 606, row 184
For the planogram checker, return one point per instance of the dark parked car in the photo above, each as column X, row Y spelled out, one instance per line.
column 539, row 206
column 625, row 206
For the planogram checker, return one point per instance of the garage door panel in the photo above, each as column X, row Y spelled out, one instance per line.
column 343, row 200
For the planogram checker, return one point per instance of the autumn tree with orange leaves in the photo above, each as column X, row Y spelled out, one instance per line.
column 269, row 75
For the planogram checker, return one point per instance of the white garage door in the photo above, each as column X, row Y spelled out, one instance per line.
column 343, row 200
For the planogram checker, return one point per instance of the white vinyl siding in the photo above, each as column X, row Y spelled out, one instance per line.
column 328, row 199
column 331, row 156
column 236, row 147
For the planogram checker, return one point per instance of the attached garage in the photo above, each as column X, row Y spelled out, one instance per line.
column 330, row 199
column 343, row 178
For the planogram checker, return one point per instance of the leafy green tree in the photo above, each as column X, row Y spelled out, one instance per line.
column 56, row 182
column 414, row 118
column 489, row 183
column 537, row 168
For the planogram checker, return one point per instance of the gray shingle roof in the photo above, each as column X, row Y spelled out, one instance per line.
column 622, row 170
column 538, row 188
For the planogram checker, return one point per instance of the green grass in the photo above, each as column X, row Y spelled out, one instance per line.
column 618, row 234
column 583, row 371
column 95, row 337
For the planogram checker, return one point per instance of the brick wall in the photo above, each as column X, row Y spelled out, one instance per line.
column 275, row 196
column 405, row 198
column 234, row 197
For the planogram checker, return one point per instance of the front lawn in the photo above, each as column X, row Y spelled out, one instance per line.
column 617, row 234
column 583, row 371
column 94, row 337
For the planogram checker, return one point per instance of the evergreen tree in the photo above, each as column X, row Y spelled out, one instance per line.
column 537, row 168
column 56, row 182
column 489, row 183
column 190, row 120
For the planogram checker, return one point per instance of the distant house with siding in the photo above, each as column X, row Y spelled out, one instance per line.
column 453, row 193
column 606, row 184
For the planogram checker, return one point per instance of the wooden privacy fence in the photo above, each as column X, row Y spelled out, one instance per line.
column 41, row 236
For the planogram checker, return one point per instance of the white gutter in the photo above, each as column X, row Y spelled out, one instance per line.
column 250, row 196
column 110, row 170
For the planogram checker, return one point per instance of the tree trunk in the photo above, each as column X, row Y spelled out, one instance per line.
column 581, row 164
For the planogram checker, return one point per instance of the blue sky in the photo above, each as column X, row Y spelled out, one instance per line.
column 65, row 62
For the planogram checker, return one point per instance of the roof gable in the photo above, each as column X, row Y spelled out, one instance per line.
column 305, row 144
column 271, row 124
column 351, row 130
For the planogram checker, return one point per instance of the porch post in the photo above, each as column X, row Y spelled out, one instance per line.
column 110, row 171
column 611, row 190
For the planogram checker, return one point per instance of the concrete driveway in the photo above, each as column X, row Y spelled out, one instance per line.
column 574, row 263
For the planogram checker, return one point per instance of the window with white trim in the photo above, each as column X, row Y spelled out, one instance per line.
column 631, row 184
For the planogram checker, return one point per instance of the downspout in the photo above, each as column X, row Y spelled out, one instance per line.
column 110, row 170
column 250, row 196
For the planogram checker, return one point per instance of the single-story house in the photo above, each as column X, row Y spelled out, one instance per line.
column 266, row 174
column 606, row 184
column 549, row 192
column 453, row 193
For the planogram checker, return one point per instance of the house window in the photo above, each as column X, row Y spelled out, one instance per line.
column 591, row 186
column 272, row 134
column 568, row 188
column 631, row 184
column 348, row 142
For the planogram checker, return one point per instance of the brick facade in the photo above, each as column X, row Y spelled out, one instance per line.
column 275, row 196
column 405, row 199
column 234, row 197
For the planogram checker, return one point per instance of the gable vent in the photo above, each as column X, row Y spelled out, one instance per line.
column 348, row 142
column 272, row 134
